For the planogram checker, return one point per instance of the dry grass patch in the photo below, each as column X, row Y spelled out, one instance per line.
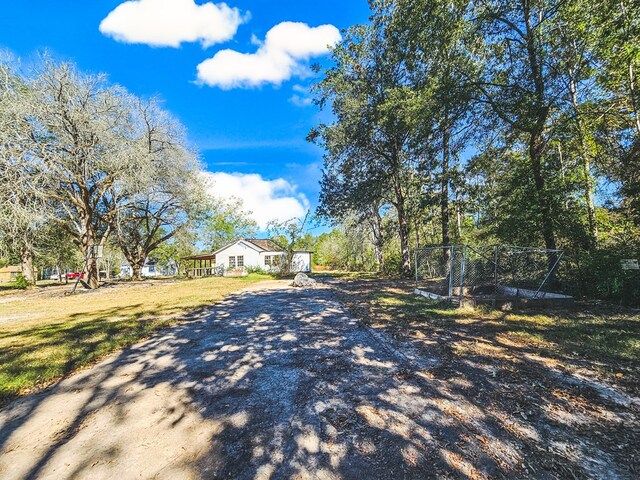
column 606, row 338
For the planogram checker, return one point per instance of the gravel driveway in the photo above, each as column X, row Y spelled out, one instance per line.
column 270, row 383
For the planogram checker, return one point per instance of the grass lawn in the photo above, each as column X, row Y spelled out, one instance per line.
column 9, row 288
column 44, row 337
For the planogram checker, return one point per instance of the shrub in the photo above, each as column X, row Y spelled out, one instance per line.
column 258, row 270
column 598, row 275
column 21, row 282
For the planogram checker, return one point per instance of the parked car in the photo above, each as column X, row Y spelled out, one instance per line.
column 74, row 275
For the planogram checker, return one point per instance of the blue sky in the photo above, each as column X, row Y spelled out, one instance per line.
column 244, row 121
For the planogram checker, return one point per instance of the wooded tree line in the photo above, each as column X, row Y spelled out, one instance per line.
column 85, row 163
column 488, row 121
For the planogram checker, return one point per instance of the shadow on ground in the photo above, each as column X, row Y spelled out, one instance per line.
column 285, row 384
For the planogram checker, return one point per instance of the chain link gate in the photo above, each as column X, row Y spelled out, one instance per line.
column 468, row 270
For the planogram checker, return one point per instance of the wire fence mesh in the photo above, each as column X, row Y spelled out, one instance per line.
column 483, row 269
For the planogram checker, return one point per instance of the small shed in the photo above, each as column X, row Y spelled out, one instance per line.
column 9, row 273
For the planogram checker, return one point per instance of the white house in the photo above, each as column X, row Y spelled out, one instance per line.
column 245, row 253
column 150, row 269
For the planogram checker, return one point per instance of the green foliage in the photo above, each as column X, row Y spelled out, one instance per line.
column 598, row 274
column 225, row 221
column 288, row 234
column 256, row 270
column 499, row 121
column 21, row 282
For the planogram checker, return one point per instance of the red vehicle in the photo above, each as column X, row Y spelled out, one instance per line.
column 74, row 275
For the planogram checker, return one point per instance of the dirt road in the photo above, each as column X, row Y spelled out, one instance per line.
column 277, row 383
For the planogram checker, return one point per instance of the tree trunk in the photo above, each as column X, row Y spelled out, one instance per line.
column 88, row 239
column 634, row 96
column 379, row 257
column 92, row 272
column 588, row 197
column 459, row 220
column 26, row 260
column 444, row 187
column 403, row 230
column 536, row 148
column 586, row 169
column 137, row 264
column 378, row 239
column 536, row 132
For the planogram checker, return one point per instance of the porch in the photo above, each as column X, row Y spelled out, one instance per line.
column 204, row 265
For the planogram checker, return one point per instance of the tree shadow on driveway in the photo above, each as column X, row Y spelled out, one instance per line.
column 270, row 384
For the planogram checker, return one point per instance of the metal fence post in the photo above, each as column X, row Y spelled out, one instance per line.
column 451, row 269
column 553, row 269
column 462, row 270
column 495, row 267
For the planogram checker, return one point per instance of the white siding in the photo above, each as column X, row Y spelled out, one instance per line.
column 273, row 266
column 256, row 259
column 250, row 254
column 302, row 262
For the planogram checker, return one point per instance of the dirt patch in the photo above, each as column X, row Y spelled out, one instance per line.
column 566, row 414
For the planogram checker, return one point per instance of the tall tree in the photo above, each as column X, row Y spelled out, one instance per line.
column 435, row 40
column 165, row 194
column 24, row 209
column 368, row 147
column 518, row 85
column 617, row 25
column 287, row 233
column 574, row 46
column 82, row 130
column 225, row 221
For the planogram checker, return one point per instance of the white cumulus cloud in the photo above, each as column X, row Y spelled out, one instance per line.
column 168, row 23
column 282, row 55
column 266, row 199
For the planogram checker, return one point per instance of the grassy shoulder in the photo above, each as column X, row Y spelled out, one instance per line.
column 44, row 337
column 605, row 338
column 10, row 288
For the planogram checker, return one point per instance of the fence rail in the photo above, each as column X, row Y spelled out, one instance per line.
column 205, row 272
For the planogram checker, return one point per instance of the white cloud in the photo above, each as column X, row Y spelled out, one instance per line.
column 301, row 101
column 303, row 96
column 168, row 23
column 266, row 199
column 282, row 55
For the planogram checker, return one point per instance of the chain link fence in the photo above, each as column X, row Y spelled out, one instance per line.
column 459, row 270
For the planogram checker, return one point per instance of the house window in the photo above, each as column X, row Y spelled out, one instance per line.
column 240, row 261
column 267, row 260
column 232, row 262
